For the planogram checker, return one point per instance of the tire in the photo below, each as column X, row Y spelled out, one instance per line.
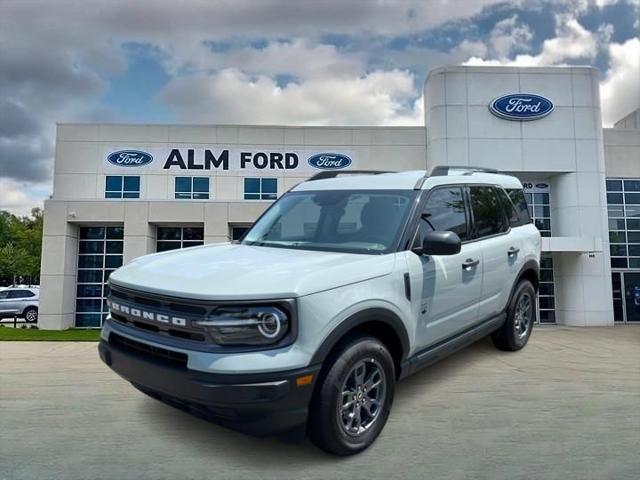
column 358, row 363
column 521, row 313
column 30, row 314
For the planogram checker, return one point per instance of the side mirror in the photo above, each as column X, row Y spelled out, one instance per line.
column 439, row 243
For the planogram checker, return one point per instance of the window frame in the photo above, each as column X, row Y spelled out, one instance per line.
column 474, row 236
column 260, row 193
column 121, row 193
column 191, row 192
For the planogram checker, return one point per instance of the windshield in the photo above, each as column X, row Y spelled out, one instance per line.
column 354, row 221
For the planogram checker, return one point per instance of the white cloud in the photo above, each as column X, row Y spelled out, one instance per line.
column 620, row 90
column 508, row 35
column 232, row 96
column 20, row 197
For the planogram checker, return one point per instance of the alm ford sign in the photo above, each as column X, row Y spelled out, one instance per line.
column 130, row 158
column 329, row 161
column 521, row 106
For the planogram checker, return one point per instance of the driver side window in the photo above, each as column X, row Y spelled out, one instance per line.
column 444, row 210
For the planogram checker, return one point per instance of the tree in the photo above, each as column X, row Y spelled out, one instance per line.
column 20, row 246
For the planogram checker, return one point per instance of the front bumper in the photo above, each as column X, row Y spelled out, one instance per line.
column 260, row 404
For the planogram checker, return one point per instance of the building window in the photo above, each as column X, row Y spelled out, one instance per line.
column 122, row 186
column 623, row 199
column 192, row 188
column 260, row 188
column 538, row 198
column 172, row 238
column 238, row 231
column 99, row 254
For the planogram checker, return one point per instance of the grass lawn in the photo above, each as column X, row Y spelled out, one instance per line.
column 33, row 335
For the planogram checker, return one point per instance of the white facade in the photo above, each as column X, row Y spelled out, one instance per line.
column 566, row 150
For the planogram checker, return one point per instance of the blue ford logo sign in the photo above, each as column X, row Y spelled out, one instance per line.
column 521, row 106
column 329, row 161
column 130, row 158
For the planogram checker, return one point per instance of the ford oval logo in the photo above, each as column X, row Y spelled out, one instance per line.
column 130, row 158
column 329, row 161
column 521, row 106
column 542, row 185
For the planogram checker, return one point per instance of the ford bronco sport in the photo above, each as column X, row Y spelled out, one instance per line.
column 348, row 283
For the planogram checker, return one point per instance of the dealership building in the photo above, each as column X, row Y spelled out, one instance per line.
column 122, row 191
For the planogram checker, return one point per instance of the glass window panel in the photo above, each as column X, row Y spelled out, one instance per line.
column 632, row 185
column 238, row 232
column 541, row 198
column 633, row 224
column 201, row 184
column 131, row 195
column 88, row 320
column 618, row 250
column 200, row 196
column 114, row 233
column 252, row 196
column 112, row 261
column 88, row 305
column 546, row 275
column 183, row 196
column 618, row 313
column 444, row 210
column 546, row 289
column 614, row 198
column 96, row 246
column 269, row 196
column 618, row 263
column 617, row 237
column 616, row 224
column 113, row 183
column 131, row 184
column 89, row 290
column 115, row 246
column 614, row 212
column 91, row 233
column 193, row 233
column 547, row 316
column 632, row 211
column 488, row 216
column 162, row 246
column 191, row 244
column 632, row 198
column 106, row 275
column 614, row 185
column 89, row 276
column 113, row 195
column 90, row 261
column 545, row 233
column 168, row 233
column 529, row 197
column 251, row 185
column 546, row 261
column 633, row 237
column 546, row 302
column 541, row 211
column 269, row 185
column 634, row 263
column 634, row 250
column 183, row 184
column 543, row 224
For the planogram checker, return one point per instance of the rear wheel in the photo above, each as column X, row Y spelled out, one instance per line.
column 516, row 330
column 352, row 403
column 31, row 314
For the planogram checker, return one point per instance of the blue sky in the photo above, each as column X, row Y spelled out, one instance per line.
column 331, row 62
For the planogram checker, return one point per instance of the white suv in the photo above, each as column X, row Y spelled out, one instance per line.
column 345, row 285
column 20, row 302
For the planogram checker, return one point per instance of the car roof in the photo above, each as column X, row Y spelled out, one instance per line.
column 409, row 180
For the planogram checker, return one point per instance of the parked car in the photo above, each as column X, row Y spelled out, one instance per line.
column 345, row 285
column 19, row 301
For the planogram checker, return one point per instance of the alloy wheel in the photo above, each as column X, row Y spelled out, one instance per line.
column 523, row 316
column 363, row 396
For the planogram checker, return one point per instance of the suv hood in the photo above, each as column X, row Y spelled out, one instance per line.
column 235, row 272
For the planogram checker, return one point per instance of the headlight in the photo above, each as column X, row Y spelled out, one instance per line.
column 251, row 325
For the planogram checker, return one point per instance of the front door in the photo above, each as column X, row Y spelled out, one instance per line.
column 449, row 285
column 632, row 296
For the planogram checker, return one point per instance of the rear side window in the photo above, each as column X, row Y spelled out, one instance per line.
column 444, row 210
column 520, row 203
column 488, row 212
column 20, row 294
column 509, row 210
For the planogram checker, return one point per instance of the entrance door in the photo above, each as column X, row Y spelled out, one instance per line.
column 632, row 296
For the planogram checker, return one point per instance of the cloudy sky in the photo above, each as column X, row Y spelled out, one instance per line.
column 317, row 62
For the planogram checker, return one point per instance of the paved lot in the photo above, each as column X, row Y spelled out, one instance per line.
column 566, row 407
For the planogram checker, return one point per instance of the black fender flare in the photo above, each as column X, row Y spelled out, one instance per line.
column 381, row 315
column 528, row 265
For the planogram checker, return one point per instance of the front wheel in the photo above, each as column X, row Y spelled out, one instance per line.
column 516, row 330
column 31, row 314
column 352, row 403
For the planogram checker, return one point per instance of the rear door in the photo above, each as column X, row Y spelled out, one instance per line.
column 449, row 285
column 8, row 301
column 491, row 232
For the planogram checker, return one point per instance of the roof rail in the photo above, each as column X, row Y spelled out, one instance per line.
column 443, row 170
column 335, row 173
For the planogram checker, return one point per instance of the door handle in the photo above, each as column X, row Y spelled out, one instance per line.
column 512, row 251
column 469, row 263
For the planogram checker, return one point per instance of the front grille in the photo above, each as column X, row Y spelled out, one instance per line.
column 162, row 355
